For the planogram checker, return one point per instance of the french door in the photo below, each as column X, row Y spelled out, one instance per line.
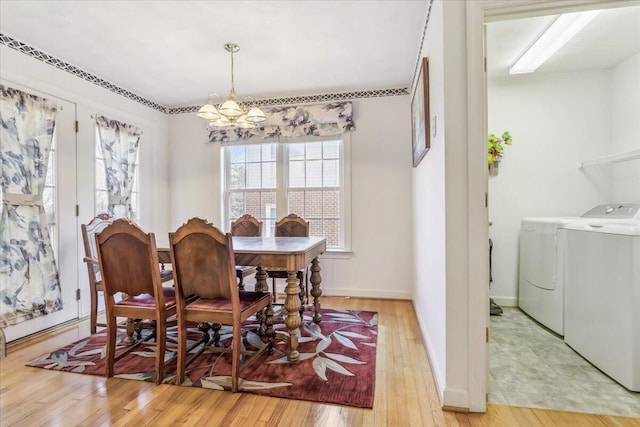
column 60, row 208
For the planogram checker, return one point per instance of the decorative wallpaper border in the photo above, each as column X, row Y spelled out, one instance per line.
column 64, row 66
column 424, row 33
column 309, row 99
column 48, row 59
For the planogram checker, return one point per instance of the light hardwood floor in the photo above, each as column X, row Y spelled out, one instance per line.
column 405, row 392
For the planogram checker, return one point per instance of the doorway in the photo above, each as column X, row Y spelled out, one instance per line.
column 554, row 127
column 60, row 208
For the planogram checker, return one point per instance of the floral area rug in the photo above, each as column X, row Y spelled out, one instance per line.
column 337, row 360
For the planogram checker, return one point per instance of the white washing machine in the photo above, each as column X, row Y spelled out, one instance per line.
column 540, row 289
column 602, row 291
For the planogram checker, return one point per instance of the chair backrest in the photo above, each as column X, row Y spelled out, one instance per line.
column 292, row 226
column 96, row 225
column 246, row 226
column 203, row 261
column 129, row 260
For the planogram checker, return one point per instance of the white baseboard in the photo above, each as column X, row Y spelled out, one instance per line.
column 456, row 397
column 365, row 293
column 435, row 368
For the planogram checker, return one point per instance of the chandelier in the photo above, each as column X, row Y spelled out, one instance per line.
column 231, row 113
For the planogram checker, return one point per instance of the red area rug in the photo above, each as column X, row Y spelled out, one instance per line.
column 337, row 361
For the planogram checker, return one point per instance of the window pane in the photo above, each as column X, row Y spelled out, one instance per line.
column 48, row 201
column 313, row 204
column 296, row 203
column 237, row 154
column 315, row 228
column 236, row 205
column 237, row 176
column 268, row 152
column 331, row 149
column 101, row 177
column 331, row 204
column 296, row 174
column 102, row 201
column 269, row 175
column 314, row 173
column 330, row 173
column 253, row 153
column 268, row 203
column 252, row 206
column 135, row 196
column 314, row 150
column 296, row 151
column 50, row 179
column 332, row 232
column 254, row 178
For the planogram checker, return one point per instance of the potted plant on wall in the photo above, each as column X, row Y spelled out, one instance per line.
column 495, row 147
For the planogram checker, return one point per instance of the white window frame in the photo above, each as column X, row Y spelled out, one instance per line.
column 282, row 184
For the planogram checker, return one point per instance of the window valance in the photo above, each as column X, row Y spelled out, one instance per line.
column 328, row 119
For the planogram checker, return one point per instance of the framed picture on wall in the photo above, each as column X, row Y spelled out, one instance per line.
column 420, row 114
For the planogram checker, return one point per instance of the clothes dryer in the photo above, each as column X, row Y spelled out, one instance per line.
column 602, row 282
column 541, row 289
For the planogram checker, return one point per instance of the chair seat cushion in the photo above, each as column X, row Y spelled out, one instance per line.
column 147, row 300
column 247, row 299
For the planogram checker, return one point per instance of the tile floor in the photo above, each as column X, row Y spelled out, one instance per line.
column 532, row 367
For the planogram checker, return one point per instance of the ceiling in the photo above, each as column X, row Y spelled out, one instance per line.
column 171, row 52
column 612, row 37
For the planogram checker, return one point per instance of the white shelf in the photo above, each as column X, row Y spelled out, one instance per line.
column 613, row 158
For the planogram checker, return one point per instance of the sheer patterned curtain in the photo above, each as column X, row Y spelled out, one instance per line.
column 29, row 284
column 119, row 142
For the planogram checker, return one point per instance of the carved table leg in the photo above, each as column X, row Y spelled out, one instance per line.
column 216, row 334
column 261, row 280
column 268, row 323
column 130, row 330
column 205, row 327
column 316, row 292
column 292, row 305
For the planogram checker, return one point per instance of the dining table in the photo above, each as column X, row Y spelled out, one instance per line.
column 288, row 254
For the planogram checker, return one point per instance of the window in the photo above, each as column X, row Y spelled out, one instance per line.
column 272, row 180
column 49, row 195
column 102, row 194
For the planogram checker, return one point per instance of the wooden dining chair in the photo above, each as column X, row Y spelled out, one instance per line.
column 291, row 225
column 128, row 261
column 96, row 225
column 204, row 269
column 245, row 226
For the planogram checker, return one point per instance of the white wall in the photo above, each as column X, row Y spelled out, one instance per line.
column 445, row 232
column 382, row 233
column 16, row 67
column 556, row 121
column 625, row 129
column 429, row 213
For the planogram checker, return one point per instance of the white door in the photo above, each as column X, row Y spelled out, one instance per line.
column 60, row 207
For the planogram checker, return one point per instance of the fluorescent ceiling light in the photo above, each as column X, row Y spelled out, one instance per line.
column 557, row 35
